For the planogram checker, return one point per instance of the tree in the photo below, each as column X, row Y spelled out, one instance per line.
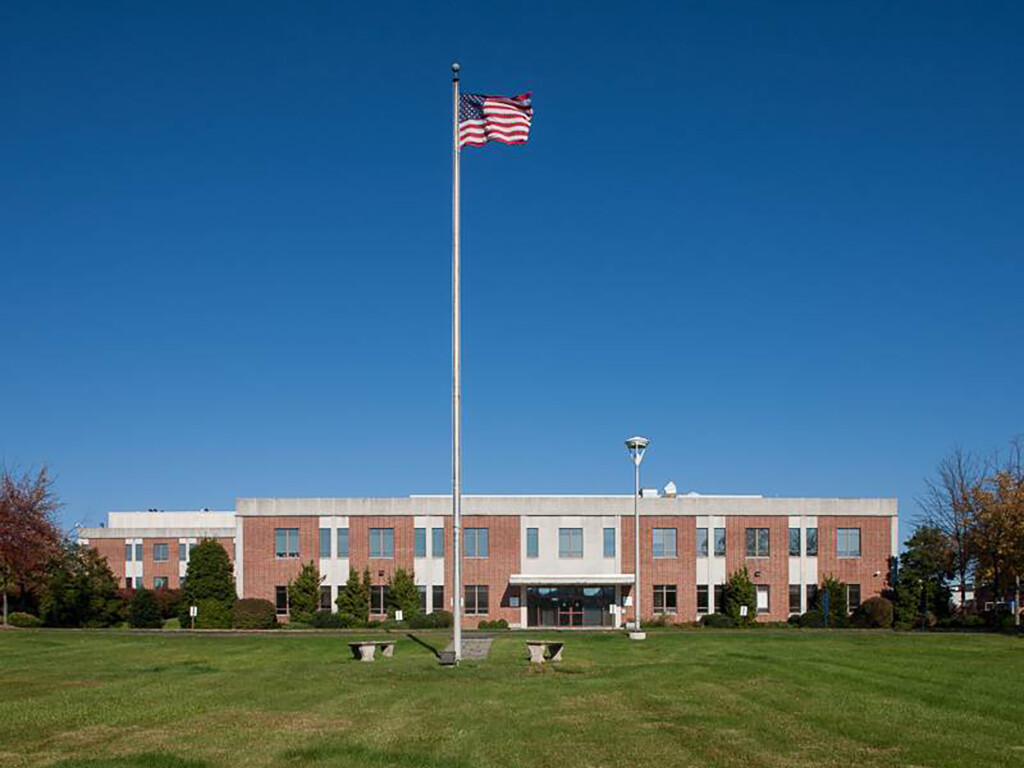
column 79, row 590
column 403, row 595
column 928, row 561
column 997, row 536
column 29, row 537
column 739, row 591
column 144, row 610
column 354, row 599
column 210, row 576
column 950, row 505
column 304, row 593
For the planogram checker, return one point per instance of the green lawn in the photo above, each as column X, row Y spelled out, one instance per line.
column 754, row 698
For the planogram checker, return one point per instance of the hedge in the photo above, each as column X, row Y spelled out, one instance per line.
column 253, row 613
column 24, row 620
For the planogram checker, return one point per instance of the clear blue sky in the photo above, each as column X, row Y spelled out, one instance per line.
column 783, row 240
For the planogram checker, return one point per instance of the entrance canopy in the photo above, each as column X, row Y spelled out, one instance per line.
column 570, row 579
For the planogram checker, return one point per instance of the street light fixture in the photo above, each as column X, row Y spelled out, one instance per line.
column 637, row 447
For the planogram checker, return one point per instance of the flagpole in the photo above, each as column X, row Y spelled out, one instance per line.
column 456, row 381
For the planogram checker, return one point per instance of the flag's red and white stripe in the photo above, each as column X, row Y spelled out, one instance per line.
column 495, row 118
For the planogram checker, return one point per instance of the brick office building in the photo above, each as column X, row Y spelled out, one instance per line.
column 532, row 560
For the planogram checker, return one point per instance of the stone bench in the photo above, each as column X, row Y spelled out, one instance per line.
column 364, row 649
column 538, row 648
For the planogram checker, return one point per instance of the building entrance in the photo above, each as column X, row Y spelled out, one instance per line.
column 569, row 606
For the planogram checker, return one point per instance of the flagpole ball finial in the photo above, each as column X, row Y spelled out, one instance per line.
column 455, row 68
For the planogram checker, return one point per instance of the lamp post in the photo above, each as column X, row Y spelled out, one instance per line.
column 637, row 447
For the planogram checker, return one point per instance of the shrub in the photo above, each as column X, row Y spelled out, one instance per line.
column 873, row 613
column 213, row 614
column 739, row 591
column 496, row 624
column 718, row 621
column 354, row 599
column 659, row 620
column 210, row 576
column 169, row 601
column 435, row 620
column 144, row 611
column 813, row 619
column 304, row 594
column 838, row 616
column 328, row 620
column 394, row 624
column 253, row 613
column 402, row 594
column 24, row 620
column 774, row 625
column 794, row 620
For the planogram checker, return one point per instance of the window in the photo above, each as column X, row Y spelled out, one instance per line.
column 476, row 598
column 812, row 542
column 382, row 543
column 128, row 583
column 160, row 582
column 438, row 597
column 286, row 542
column 848, row 542
column 762, row 599
column 852, row 597
column 161, row 553
column 325, row 592
column 811, row 591
column 570, row 542
column 719, row 598
column 476, row 542
column 419, row 542
column 794, row 542
column 181, row 583
column 794, row 598
column 532, row 545
column 702, row 598
column 609, row 542
column 422, row 590
column 379, row 598
column 664, row 542
column 281, row 600
column 437, row 545
column 182, row 552
column 757, row 542
column 325, row 542
column 138, row 553
column 343, row 542
column 665, row 595
column 719, row 543
column 702, row 542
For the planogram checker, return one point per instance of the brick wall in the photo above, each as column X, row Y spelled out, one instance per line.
column 151, row 568
column 773, row 570
column 381, row 568
column 113, row 551
column 494, row 570
column 263, row 570
column 875, row 548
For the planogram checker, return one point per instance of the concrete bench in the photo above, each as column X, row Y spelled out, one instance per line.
column 538, row 648
column 364, row 649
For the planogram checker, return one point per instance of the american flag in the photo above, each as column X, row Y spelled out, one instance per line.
column 485, row 118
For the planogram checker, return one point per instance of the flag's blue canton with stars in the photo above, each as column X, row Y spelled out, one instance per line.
column 485, row 118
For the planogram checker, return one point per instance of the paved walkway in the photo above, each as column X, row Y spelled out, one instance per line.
column 473, row 647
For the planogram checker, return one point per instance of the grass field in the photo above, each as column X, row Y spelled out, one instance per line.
column 756, row 698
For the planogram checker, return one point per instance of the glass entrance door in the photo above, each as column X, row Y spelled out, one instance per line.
column 569, row 606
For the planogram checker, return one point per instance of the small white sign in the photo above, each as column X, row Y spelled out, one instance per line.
column 193, row 610
column 398, row 615
column 743, row 611
column 629, row 601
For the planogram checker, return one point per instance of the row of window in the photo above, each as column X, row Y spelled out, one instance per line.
column 159, row 582
column 665, row 597
column 570, row 543
column 477, row 600
column 161, row 552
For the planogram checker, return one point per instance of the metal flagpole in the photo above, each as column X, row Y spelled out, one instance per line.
column 456, row 382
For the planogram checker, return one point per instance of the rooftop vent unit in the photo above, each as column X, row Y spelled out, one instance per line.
column 649, row 493
column 670, row 489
